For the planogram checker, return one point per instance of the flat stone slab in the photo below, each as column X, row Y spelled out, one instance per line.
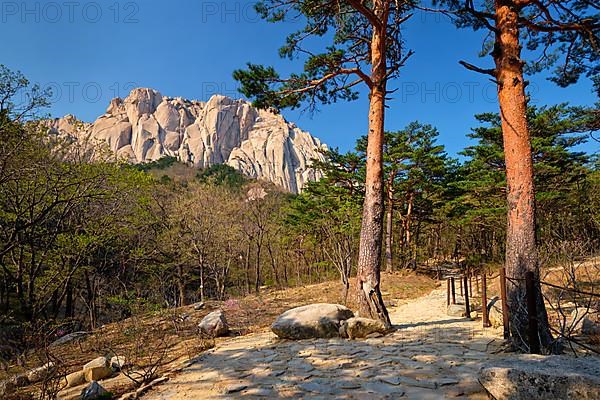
column 534, row 377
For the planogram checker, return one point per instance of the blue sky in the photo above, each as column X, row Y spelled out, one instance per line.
column 92, row 51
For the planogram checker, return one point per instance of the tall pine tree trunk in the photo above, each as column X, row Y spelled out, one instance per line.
column 521, row 253
column 389, row 222
column 371, row 233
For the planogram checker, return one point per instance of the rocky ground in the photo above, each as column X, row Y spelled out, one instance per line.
column 175, row 331
column 429, row 356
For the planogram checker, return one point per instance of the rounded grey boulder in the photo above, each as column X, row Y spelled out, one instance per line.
column 319, row 320
column 214, row 324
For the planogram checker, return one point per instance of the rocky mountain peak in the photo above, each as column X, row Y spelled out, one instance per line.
column 146, row 126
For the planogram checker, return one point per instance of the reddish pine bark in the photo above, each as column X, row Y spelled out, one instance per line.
column 371, row 235
column 521, row 252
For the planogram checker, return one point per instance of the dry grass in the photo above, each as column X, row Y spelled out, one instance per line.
column 175, row 331
column 582, row 276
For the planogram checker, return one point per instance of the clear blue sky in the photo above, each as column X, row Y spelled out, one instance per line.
column 92, row 51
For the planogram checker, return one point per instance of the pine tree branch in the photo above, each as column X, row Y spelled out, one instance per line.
column 471, row 67
column 368, row 13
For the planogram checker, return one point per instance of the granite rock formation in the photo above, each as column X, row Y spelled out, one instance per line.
column 146, row 126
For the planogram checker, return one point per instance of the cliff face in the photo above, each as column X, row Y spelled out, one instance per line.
column 146, row 126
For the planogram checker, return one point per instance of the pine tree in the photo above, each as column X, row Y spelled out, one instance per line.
column 365, row 48
column 565, row 34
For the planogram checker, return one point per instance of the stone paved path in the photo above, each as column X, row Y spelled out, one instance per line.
column 429, row 356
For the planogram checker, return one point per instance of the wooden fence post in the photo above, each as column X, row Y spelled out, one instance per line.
column 484, row 310
column 530, row 293
column 505, row 321
column 467, row 307
column 453, row 290
column 448, row 291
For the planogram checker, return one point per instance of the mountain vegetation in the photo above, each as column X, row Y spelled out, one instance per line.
column 85, row 243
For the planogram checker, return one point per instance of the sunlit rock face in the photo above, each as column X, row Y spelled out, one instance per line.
column 146, row 126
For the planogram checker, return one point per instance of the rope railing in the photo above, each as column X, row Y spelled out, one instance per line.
column 572, row 290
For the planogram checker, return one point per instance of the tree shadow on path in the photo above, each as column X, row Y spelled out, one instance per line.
column 430, row 359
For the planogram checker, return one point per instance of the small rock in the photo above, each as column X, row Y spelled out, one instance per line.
column 495, row 312
column 317, row 387
column 94, row 391
column 348, row 385
column 589, row 327
column 69, row 338
column 258, row 392
column 40, row 373
column 117, row 363
column 214, row 324
column 384, row 389
column 97, row 369
column 182, row 318
column 235, row 388
column 585, row 321
column 456, row 310
column 447, row 381
column 199, row 306
column 97, row 362
column 76, row 378
column 357, row 327
column 391, row 380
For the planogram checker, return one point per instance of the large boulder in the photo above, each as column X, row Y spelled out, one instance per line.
column 357, row 327
column 534, row 377
column 214, row 324
column 97, row 369
column 311, row 321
